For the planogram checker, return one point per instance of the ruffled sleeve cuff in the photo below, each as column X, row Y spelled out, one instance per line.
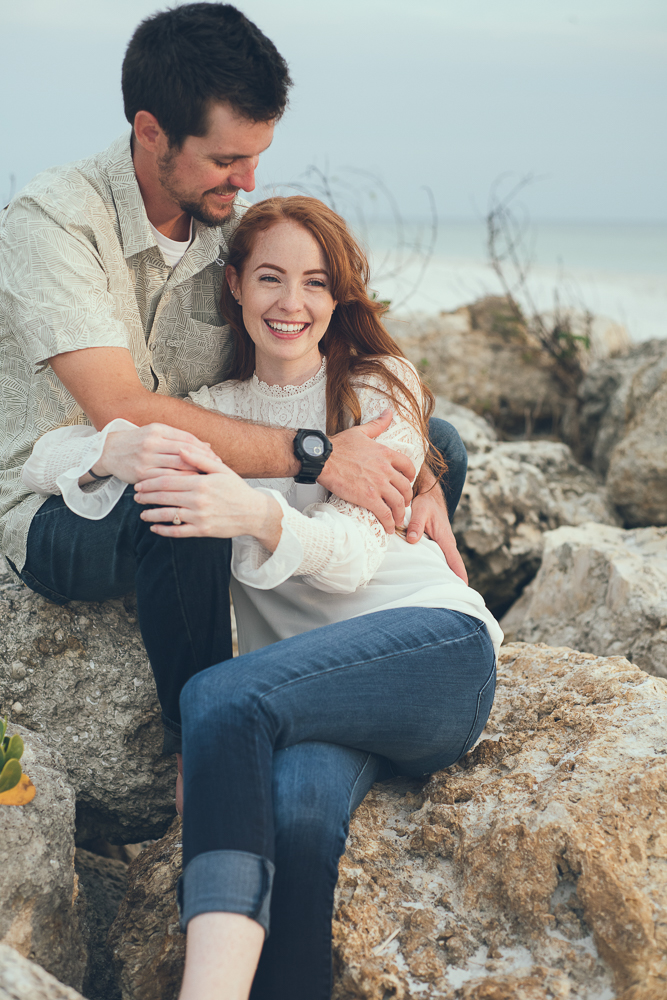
column 255, row 566
column 96, row 503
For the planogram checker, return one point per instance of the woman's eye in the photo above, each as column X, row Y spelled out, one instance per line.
column 317, row 282
column 268, row 277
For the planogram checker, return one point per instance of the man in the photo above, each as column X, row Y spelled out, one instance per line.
column 110, row 272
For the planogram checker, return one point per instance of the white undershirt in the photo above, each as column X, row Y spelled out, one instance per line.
column 171, row 250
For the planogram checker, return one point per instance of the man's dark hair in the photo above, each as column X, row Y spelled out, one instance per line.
column 180, row 60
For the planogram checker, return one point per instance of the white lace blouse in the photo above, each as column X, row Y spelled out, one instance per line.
column 334, row 560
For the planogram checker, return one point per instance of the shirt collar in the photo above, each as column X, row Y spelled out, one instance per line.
column 209, row 241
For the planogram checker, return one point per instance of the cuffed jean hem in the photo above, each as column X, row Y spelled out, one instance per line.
column 226, row 882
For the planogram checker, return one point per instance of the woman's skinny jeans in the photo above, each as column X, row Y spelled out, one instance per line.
column 267, row 796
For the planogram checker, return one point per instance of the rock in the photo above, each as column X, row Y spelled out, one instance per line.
column 533, row 869
column 102, row 885
column 82, row 678
column 146, row 942
column 513, row 494
column 612, row 394
column 600, row 589
column 38, row 885
column 481, row 358
column 637, row 477
column 476, row 432
column 23, row 980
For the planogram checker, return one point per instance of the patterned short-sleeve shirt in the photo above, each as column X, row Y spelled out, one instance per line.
column 79, row 267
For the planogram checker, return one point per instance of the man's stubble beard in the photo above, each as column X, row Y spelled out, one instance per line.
column 196, row 209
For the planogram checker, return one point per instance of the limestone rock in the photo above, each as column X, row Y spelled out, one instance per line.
column 24, row 980
column 481, row 358
column 600, row 589
column 102, row 887
column 613, row 393
column 513, row 494
column 476, row 433
column 637, row 477
column 146, row 942
column 533, row 869
column 79, row 675
column 38, row 885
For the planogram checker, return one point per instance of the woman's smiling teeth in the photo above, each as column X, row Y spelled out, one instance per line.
column 286, row 327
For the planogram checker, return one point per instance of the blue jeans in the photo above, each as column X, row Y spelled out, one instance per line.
column 280, row 744
column 182, row 585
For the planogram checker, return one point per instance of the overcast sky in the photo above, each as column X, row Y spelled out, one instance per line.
column 445, row 93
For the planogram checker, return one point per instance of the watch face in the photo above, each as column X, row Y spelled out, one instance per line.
column 312, row 446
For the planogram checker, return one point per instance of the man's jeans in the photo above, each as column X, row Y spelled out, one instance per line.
column 411, row 685
column 182, row 585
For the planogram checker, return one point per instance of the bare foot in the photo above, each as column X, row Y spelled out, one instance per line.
column 179, row 784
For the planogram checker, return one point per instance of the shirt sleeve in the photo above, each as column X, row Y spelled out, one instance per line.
column 62, row 456
column 335, row 546
column 54, row 286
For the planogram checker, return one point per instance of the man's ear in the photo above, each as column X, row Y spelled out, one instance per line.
column 232, row 277
column 148, row 133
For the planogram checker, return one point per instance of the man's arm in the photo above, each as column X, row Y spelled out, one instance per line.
column 105, row 384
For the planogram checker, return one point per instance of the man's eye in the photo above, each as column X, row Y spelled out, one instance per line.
column 219, row 164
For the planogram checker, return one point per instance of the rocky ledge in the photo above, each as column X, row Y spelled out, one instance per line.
column 533, row 869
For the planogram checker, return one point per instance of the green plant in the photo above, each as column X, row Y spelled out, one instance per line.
column 11, row 751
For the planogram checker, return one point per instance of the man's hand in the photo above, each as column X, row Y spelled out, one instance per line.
column 147, row 452
column 367, row 473
column 429, row 514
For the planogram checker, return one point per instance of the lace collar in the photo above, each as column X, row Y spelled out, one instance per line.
column 283, row 391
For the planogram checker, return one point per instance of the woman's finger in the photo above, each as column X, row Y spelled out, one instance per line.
column 166, row 498
column 176, row 530
column 205, row 462
column 164, row 514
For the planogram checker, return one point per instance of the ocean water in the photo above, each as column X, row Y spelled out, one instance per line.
column 618, row 270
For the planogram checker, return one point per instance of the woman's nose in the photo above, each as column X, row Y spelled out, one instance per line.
column 292, row 299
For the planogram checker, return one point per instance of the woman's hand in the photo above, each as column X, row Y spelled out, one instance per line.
column 217, row 505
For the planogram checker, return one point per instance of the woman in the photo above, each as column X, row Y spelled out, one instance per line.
column 357, row 648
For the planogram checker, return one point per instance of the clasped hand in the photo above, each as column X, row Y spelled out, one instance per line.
column 217, row 505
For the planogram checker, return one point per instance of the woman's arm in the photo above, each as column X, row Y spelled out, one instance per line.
column 336, row 546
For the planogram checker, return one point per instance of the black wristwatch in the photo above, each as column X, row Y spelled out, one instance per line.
column 312, row 448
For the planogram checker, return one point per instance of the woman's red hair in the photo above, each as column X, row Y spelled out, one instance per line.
column 356, row 342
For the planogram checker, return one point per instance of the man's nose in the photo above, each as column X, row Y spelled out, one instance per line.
column 243, row 176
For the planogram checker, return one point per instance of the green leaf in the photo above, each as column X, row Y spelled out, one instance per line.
column 2, row 758
column 3, row 729
column 15, row 748
column 10, row 775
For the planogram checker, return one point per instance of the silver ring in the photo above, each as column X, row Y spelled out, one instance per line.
column 177, row 519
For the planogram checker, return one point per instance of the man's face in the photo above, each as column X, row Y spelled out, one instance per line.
column 204, row 175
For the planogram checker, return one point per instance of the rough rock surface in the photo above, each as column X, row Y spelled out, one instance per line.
column 145, row 940
column 513, row 494
column 476, row 433
column 479, row 357
column 23, row 980
column 79, row 675
column 533, row 870
column 613, row 393
column 600, row 589
column 38, row 885
column 102, row 887
column 637, row 476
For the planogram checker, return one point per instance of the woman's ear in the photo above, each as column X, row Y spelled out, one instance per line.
column 233, row 281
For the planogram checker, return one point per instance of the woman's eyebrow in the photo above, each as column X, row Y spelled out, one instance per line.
column 274, row 266
column 314, row 270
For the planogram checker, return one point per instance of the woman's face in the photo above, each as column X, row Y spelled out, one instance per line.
column 284, row 292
